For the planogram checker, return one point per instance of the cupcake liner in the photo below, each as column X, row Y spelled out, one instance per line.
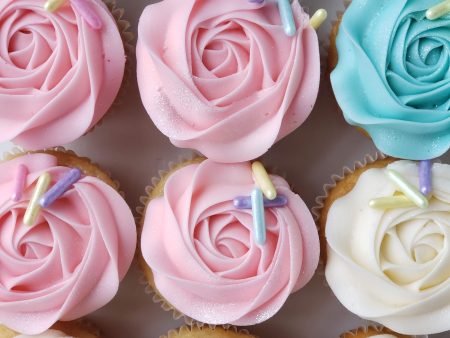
column 375, row 329
column 195, row 327
column 70, row 159
column 72, row 328
column 146, row 277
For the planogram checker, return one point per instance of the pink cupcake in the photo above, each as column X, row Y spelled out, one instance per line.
column 65, row 259
column 222, row 77
column 200, row 251
column 60, row 71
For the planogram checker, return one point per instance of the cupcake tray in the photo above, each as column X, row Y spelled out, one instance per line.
column 128, row 145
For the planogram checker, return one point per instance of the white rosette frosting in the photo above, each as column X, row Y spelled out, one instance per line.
column 392, row 266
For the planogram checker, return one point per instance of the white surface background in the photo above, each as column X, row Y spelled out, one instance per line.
column 128, row 145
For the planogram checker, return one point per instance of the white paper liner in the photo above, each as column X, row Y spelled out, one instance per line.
column 375, row 327
column 183, row 329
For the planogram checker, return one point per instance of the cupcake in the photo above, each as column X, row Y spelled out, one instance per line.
column 373, row 332
column 196, row 331
column 78, row 329
column 206, row 257
column 67, row 239
column 225, row 79
column 392, row 76
column 61, row 69
column 387, row 248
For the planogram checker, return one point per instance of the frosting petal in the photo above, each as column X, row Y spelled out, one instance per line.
column 68, row 264
column 405, row 105
column 391, row 266
column 222, row 77
column 202, row 254
column 58, row 75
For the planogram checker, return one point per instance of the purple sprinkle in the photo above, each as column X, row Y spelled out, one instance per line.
column 60, row 187
column 256, row 1
column 425, row 177
column 245, row 202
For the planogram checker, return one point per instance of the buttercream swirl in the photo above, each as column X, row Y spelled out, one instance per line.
column 222, row 77
column 391, row 266
column 71, row 261
column 393, row 76
column 202, row 253
column 58, row 76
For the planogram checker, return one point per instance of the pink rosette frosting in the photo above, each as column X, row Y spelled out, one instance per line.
column 71, row 261
column 58, row 76
column 202, row 253
column 222, row 77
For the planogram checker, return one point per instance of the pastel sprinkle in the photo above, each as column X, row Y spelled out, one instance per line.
column 34, row 208
column 257, row 1
column 425, row 177
column 318, row 18
column 409, row 190
column 60, row 187
column 259, row 222
column 263, row 180
column 88, row 13
column 438, row 11
column 53, row 5
column 287, row 17
column 21, row 177
column 391, row 202
column 245, row 202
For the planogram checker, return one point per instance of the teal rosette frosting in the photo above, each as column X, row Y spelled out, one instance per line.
column 393, row 76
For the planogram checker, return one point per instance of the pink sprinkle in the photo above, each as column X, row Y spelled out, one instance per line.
column 19, row 187
column 88, row 13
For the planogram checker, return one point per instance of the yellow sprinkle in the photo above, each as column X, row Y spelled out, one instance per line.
column 318, row 18
column 439, row 10
column 53, row 5
column 391, row 202
column 408, row 189
column 34, row 208
column 263, row 180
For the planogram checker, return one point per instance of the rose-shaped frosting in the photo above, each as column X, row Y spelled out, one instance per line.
column 68, row 264
column 222, row 77
column 393, row 76
column 58, row 76
column 202, row 253
column 47, row 334
column 392, row 266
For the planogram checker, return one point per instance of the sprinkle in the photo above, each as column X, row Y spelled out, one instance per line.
column 318, row 18
column 245, row 202
column 34, row 208
column 259, row 222
column 425, row 177
column 60, row 187
column 88, row 13
column 263, row 180
column 287, row 17
column 257, row 1
column 409, row 190
column 21, row 176
column 53, row 5
column 439, row 10
column 391, row 202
